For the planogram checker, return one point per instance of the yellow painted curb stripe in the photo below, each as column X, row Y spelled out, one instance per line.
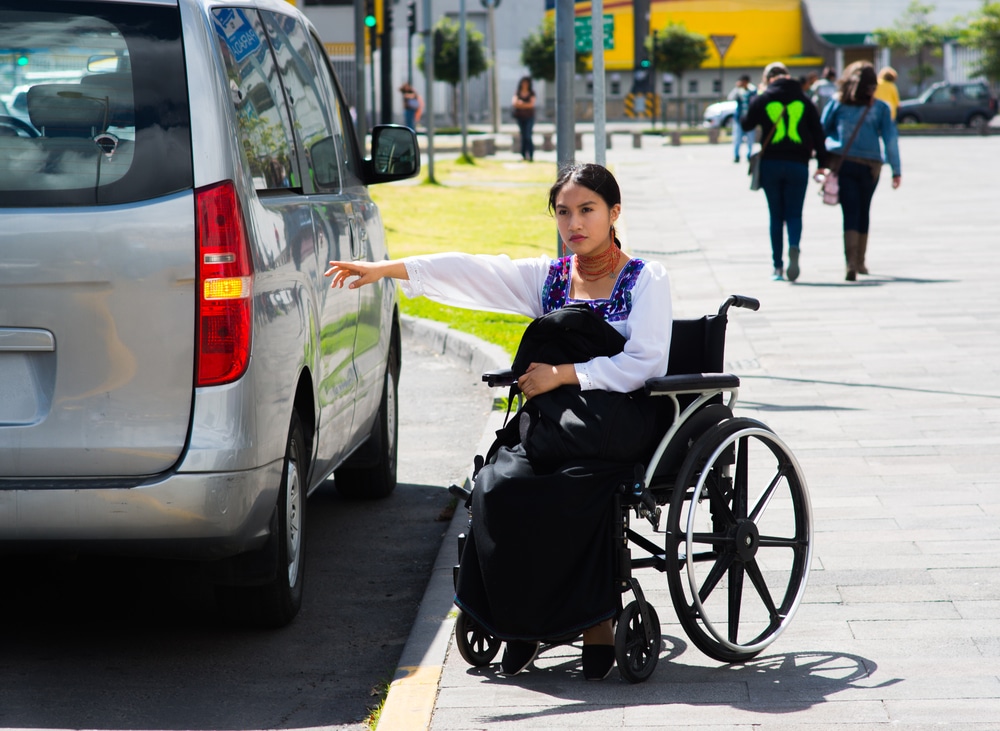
column 409, row 704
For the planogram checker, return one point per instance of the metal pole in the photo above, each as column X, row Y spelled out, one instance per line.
column 360, row 34
column 652, row 80
column 371, row 66
column 428, row 36
column 565, row 71
column 597, row 54
column 463, row 75
column 495, row 66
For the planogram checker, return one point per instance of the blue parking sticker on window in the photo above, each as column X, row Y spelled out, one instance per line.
column 237, row 31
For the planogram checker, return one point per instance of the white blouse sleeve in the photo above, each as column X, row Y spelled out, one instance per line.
column 478, row 281
column 647, row 329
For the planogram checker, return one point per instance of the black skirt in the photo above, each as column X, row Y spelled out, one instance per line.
column 538, row 563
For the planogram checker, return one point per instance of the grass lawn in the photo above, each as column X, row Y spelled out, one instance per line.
column 488, row 207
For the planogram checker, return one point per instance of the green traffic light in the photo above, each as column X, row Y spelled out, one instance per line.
column 370, row 21
column 644, row 63
column 22, row 60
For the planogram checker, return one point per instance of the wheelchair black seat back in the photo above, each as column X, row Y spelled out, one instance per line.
column 736, row 542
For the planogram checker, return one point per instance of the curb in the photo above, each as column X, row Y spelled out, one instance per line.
column 409, row 704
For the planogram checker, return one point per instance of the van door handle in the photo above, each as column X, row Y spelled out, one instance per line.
column 26, row 339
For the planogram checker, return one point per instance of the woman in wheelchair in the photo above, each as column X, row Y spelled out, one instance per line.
column 538, row 562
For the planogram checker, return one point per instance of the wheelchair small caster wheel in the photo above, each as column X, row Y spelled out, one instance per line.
column 476, row 646
column 635, row 652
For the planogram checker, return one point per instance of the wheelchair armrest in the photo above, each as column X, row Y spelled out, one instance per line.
column 501, row 377
column 692, row 383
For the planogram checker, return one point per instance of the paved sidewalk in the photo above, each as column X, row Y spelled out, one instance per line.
column 888, row 392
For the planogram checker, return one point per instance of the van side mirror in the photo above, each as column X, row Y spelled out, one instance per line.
column 395, row 154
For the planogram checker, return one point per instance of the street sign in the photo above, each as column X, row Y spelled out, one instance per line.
column 641, row 105
column 722, row 44
column 585, row 38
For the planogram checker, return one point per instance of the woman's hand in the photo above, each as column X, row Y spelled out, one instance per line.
column 896, row 180
column 367, row 272
column 541, row 378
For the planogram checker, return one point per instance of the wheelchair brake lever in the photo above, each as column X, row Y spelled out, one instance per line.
column 651, row 510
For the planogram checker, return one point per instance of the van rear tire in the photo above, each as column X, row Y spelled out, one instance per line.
column 275, row 602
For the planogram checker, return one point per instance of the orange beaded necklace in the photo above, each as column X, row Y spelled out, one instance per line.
column 598, row 266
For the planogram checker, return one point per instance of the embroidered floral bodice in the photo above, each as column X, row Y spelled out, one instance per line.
column 555, row 291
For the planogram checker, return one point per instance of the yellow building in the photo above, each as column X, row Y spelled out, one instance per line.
column 763, row 30
column 751, row 33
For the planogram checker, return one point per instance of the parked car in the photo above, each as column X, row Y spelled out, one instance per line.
column 970, row 103
column 720, row 114
column 177, row 375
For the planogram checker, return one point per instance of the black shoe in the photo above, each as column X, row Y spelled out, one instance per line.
column 598, row 661
column 517, row 657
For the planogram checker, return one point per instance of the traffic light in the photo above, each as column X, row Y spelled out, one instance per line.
column 386, row 19
column 411, row 17
column 370, row 19
column 22, row 60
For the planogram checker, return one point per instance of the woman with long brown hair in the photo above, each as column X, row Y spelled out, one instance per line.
column 853, row 123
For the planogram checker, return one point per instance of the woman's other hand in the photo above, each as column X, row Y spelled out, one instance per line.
column 896, row 181
column 541, row 378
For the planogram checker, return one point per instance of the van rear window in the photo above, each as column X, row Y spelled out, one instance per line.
column 93, row 104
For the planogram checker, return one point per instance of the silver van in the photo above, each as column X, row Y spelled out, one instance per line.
column 176, row 375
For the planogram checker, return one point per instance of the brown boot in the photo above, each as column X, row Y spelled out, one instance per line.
column 862, row 247
column 851, row 254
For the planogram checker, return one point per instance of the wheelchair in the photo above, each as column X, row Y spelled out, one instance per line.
column 736, row 540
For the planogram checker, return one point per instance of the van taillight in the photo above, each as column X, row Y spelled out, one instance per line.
column 225, row 286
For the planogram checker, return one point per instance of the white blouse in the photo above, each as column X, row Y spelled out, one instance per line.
column 514, row 286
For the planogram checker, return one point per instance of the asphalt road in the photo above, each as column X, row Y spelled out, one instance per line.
column 111, row 643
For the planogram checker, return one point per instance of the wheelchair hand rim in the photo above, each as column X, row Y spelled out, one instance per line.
column 700, row 489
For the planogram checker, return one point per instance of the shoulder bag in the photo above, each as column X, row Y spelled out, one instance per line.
column 754, row 171
column 829, row 185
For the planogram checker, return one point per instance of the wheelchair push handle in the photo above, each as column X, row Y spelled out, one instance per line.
column 739, row 300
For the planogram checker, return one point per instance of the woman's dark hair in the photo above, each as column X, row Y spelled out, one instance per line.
column 522, row 81
column 593, row 176
column 857, row 84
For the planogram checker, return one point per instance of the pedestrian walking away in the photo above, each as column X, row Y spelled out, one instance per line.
column 824, row 89
column 537, row 482
column 790, row 127
column 857, row 122
column 413, row 106
column 887, row 90
column 523, row 105
column 742, row 94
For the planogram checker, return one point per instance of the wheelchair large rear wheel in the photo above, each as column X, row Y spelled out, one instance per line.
column 739, row 540
column 476, row 646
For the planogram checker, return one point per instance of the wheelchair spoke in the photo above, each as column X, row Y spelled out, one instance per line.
column 736, row 573
column 741, row 479
column 711, row 538
column 757, row 579
column 715, row 576
column 796, row 544
column 765, row 498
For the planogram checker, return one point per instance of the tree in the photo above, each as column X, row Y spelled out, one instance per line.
column 678, row 50
column 447, row 66
column 538, row 52
column 914, row 34
column 983, row 34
